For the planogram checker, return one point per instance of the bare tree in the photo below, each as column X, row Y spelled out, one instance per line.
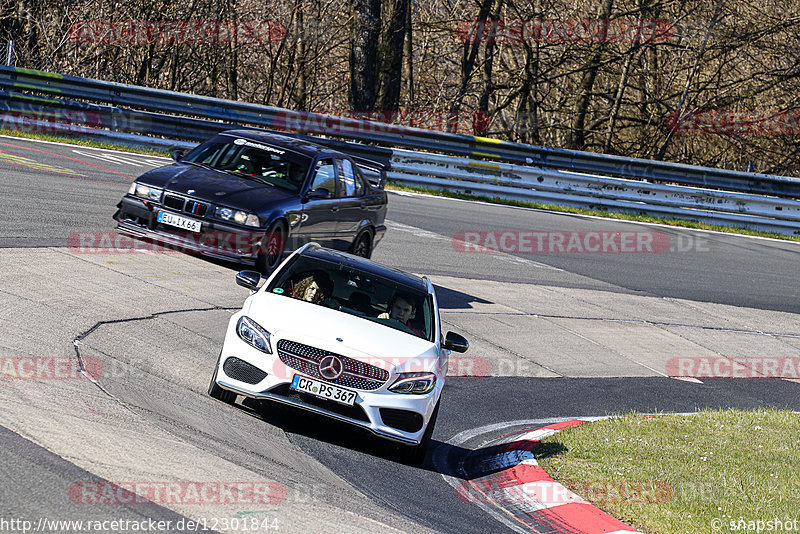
column 543, row 84
column 391, row 56
column 365, row 31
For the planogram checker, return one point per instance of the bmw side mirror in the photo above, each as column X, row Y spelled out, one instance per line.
column 177, row 155
column 248, row 279
column 455, row 342
column 317, row 193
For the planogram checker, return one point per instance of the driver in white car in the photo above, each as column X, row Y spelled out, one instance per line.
column 401, row 308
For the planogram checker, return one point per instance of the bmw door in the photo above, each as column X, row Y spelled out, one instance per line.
column 321, row 206
column 353, row 209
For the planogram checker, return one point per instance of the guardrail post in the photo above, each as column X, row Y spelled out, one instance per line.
column 10, row 53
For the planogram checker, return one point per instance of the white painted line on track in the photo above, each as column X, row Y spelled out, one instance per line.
column 508, row 258
column 119, row 160
column 73, row 145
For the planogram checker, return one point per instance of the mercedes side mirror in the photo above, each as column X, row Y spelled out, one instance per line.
column 455, row 342
column 248, row 279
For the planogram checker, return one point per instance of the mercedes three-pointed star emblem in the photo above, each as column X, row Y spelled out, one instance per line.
column 331, row 367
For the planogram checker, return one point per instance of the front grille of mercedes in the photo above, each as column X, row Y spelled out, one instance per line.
column 185, row 205
column 356, row 374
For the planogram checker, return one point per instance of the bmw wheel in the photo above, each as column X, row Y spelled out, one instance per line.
column 271, row 252
column 362, row 246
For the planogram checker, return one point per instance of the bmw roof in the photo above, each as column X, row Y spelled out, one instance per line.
column 300, row 146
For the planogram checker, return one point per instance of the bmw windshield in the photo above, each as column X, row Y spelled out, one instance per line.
column 252, row 160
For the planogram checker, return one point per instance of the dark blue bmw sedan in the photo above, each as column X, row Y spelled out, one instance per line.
column 250, row 196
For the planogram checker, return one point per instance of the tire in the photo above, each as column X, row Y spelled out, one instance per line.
column 228, row 397
column 362, row 246
column 415, row 454
column 271, row 253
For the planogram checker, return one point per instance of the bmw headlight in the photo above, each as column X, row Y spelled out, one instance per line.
column 145, row 191
column 414, row 383
column 239, row 217
column 253, row 334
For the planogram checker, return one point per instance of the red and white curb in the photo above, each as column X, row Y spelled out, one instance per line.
column 506, row 481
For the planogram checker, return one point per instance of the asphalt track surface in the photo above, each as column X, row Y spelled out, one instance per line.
column 51, row 192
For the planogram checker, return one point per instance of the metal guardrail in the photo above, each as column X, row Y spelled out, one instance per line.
column 170, row 102
column 739, row 198
column 549, row 186
column 87, row 118
column 466, row 173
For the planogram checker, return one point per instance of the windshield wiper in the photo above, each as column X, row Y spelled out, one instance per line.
column 201, row 165
column 250, row 176
column 229, row 171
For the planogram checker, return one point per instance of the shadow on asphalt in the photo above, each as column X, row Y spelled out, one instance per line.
column 450, row 299
column 320, row 428
column 459, row 462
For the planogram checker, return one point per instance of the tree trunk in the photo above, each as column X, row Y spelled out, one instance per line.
column 408, row 66
column 365, row 31
column 682, row 103
column 302, row 75
column 470, row 54
column 391, row 57
column 577, row 134
column 614, row 113
column 488, row 80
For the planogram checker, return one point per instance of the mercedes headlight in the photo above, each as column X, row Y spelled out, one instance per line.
column 253, row 334
column 414, row 383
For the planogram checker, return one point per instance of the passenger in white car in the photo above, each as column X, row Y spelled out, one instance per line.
column 315, row 288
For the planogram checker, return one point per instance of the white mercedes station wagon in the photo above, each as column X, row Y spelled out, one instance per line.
column 344, row 337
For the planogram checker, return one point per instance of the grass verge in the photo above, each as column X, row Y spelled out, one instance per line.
column 717, row 471
column 83, row 142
